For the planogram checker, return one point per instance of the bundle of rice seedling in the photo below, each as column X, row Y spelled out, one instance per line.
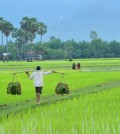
column 14, row 88
column 62, row 88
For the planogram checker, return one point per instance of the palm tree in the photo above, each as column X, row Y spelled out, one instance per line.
column 21, row 37
column 93, row 35
column 1, row 29
column 42, row 29
column 29, row 25
column 7, row 29
column 20, row 33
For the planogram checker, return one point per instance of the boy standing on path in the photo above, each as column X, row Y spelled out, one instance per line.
column 37, row 76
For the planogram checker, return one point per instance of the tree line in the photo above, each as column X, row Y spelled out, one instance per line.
column 55, row 48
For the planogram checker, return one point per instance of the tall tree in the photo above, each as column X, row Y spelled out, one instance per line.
column 30, row 25
column 21, row 37
column 7, row 29
column 93, row 35
column 1, row 28
column 42, row 29
column 55, row 43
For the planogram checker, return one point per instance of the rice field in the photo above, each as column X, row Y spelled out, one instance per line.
column 95, row 113
column 90, row 114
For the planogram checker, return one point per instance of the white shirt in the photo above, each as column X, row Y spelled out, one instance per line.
column 38, row 77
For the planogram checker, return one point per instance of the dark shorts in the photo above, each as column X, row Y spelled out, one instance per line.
column 38, row 89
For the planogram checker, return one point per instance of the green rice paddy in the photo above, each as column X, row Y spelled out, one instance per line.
column 88, row 113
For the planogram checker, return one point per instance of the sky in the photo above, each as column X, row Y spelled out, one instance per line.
column 68, row 19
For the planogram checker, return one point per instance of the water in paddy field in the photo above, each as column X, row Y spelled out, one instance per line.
column 100, row 69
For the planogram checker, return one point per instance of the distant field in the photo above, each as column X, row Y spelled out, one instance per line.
column 86, row 114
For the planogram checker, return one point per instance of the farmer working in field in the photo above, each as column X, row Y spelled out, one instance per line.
column 78, row 66
column 38, row 81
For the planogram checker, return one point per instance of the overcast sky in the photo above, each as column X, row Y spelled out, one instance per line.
column 67, row 19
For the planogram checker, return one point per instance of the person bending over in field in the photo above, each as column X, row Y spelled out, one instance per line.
column 37, row 75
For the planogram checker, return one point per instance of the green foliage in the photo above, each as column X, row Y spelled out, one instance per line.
column 54, row 54
column 42, row 29
column 29, row 24
column 93, row 35
column 55, row 48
